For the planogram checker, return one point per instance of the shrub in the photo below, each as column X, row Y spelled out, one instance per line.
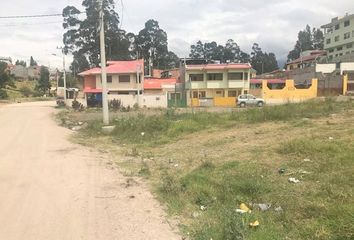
column 115, row 104
column 26, row 91
column 77, row 106
column 3, row 94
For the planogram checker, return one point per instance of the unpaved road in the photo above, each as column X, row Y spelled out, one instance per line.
column 51, row 189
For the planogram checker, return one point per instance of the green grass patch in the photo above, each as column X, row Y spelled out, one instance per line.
column 171, row 126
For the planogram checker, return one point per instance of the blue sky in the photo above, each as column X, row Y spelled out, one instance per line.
column 273, row 24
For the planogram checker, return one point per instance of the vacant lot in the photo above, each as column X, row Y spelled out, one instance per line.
column 204, row 165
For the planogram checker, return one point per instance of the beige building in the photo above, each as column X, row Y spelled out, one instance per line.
column 125, row 81
column 216, row 84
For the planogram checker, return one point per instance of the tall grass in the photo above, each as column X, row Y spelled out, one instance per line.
column 171, row 125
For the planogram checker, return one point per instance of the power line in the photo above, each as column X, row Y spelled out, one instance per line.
column 34, row 16
column 19, row 24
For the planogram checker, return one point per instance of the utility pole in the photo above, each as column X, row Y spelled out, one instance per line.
column 64, row 75
column 64, row 71
column 103, row 68
column 138, row 80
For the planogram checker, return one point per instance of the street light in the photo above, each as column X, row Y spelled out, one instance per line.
column 64, row 72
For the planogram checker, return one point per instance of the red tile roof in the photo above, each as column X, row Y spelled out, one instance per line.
column 311, row 57
column 258, row 81
column 117, row 67
column 157, row 83
column 220, row 66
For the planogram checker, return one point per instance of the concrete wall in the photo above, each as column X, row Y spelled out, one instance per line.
column 116, row 85
column 325, row 68
column 154, row 101
column 347, row 66
column 289, row 93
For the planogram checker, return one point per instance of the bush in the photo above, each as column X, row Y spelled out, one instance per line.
column 77, row 106
column 115, row 104
column 3, row 94
column 26, row 91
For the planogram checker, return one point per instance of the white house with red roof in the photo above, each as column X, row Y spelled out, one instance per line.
column 216, row 84
column 125, row 80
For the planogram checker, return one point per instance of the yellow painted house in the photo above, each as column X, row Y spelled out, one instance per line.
column 216, row 84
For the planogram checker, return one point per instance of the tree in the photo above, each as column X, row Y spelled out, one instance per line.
column 231, row 52
column 82, row 36
column 307, row 40
column 43, row 84
column 152, row 43
column 32, row 62
column 71, row 80
column 197, row 51
column 21, row 63
column 5, row 80
column 263, row 62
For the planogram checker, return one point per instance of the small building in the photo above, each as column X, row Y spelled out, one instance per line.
column 163, row 92
column 215, row 84
column 125, row 81
column 306, row 59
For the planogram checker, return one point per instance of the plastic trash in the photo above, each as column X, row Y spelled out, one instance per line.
column 294, row 180
column 254, row 224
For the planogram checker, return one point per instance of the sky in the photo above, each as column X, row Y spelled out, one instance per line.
column 273, row 24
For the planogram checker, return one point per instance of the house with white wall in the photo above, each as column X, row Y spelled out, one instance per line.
column 125, row 82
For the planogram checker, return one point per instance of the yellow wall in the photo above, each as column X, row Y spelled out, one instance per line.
column 195, row 102
column 225, row 101
column 289, row 92
column 345, row 84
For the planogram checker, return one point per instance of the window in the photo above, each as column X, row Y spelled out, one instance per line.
column 353, row 34
column 232, row 93
column 330, row 57
column 245, row 76
column 328, row 41
column 336, row 39
column 215, row 76
column 349, row 45
column 331, row 50
column 347, row 35
column 200, row 94
column 235, row 76
column 348, row 52
column 196, row 77
column 109, row 79
column 341, row 54
column 346, row 23
column 339, row 48
column 124, row 78
column 219, row 93
column 336, row 27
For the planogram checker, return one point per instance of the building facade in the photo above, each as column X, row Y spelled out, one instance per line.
column 339, row 37
column 216, row 84
column 125, row 80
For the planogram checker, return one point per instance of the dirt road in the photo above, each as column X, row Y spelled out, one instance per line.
column 51, row 189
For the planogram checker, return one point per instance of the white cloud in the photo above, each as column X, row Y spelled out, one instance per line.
column 273, row 24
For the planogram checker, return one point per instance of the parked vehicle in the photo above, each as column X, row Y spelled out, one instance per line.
column 249, row 100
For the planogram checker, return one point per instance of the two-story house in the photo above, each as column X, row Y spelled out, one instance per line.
column 125, row 81
column 216, row 84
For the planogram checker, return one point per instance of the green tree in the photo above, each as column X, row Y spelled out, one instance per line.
column 71, row 81
column 307, row 40
column 82, row 36
column 5, row 80
column 43, row 84
column 152, row 43
column 32, row 62
column 197, row 50
column 263, row 62
column 21, row 63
